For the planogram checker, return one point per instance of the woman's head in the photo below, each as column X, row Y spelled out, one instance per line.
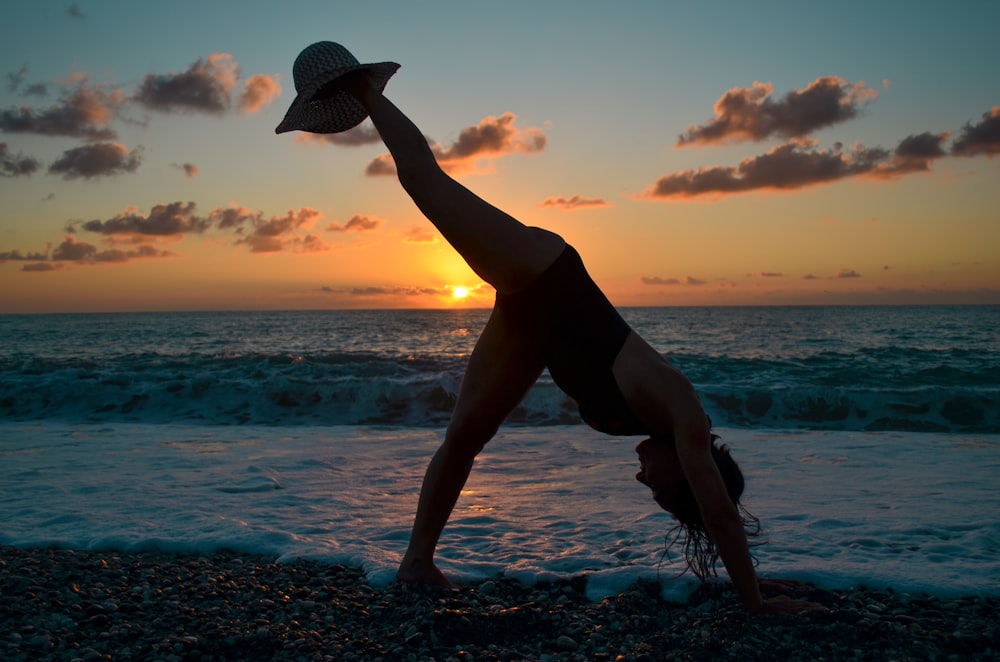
column 660, row 470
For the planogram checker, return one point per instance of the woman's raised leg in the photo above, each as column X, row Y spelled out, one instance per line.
column 501, row 250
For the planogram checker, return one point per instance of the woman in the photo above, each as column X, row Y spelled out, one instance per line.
column 548, row 314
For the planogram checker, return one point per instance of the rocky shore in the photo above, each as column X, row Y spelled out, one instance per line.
column 86, row 605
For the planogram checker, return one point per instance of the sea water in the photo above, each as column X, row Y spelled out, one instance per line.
column 869, row 436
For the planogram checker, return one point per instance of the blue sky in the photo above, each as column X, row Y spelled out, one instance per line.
column 609, row 88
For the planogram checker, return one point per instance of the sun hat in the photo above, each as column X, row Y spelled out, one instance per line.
column 316, row 66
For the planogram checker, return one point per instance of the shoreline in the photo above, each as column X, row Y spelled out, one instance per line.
column 97, row 605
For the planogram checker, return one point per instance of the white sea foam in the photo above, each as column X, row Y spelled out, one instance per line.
column 918, row 512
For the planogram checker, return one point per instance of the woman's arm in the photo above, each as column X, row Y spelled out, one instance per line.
column 722, row 521
column 666, row 401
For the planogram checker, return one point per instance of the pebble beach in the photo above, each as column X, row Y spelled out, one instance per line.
column 62, row 604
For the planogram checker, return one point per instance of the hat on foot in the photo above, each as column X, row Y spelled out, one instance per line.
column 316, row 66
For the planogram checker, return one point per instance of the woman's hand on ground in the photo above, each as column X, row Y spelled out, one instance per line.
column 783, row 586
column 782, row 604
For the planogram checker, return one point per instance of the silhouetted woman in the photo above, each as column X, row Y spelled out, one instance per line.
column 548, row 314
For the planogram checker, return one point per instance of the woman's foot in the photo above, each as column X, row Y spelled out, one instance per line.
column 421, row 573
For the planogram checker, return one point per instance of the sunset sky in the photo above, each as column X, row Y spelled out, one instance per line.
column 709, row 153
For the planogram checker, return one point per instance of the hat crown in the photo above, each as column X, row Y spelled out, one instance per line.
column 319, row 59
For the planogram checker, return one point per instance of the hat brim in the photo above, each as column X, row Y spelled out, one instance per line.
column 337, row 113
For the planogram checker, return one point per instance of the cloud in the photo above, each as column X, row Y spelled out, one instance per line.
column 750, row 114
column 71, row 250
column 16, row 79
column 800, row 164
column 357, row 223
column 172, row 220
column 204, row 87
column 190, row 170
column 83, row 112
column 981, row 138
column 419, row 235
column 16, row 165
column 913, row 154
column 233, row 218
column 281, row 233
column 41, row 266
column 572, row 203
column 16, row 256
column 98, row 160
column 492, row 138
column 398, row 291
column 381, row 165
column 260, row 91
column 656, row 280
column 788, row 166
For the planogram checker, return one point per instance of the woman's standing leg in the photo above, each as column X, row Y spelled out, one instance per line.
column 503, row 366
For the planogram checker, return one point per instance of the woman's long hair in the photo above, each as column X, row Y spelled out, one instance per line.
column 700, row 554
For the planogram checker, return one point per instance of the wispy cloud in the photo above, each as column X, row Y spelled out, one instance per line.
column 72, row 250
column 97, row 160
column 16, row 165
column 686, row 281
column 419, row 235
column 88, row 111
column 260, row 91
column 980, row 138
column 190, row 170
column 801, row 164
column 84, row 111
column 788, row 166
column 283, row 233
column 18, row 256
column 573, row 203
column 749, row 113
column 205, row 86
column 357, row 223
column 173, row 220
column 171, row 223
column 397, row 291
column 16, row 78
column 492, row 138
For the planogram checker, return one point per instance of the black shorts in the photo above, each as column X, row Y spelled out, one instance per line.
column 580, row 335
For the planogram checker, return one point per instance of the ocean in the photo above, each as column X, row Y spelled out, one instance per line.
column 869, row 436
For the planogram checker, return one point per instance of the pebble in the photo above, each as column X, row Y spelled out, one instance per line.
column 566, row 644
column 83, row 605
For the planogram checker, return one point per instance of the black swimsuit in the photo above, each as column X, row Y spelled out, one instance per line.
column 581, row 334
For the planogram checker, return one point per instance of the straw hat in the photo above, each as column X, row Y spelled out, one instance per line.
column 316, row 66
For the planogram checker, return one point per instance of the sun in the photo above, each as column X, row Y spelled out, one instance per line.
column 460, row 292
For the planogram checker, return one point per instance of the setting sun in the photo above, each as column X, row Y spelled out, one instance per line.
column 460, row 293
